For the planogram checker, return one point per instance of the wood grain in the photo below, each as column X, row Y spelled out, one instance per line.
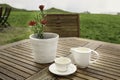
column 17, row 61
column 66, row 25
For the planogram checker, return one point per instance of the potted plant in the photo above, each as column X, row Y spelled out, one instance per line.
column 44, row 45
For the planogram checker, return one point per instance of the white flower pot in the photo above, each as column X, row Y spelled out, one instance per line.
column 44, row 50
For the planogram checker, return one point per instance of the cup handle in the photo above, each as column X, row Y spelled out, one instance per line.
column 97, row 56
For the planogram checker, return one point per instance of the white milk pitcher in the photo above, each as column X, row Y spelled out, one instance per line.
column 82, row 55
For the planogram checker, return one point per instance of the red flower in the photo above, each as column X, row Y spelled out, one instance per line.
column 41, row 7
column 32, row 23
column 43, row 22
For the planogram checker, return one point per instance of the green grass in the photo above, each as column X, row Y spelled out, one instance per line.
column 101, row 27
column 20, row 18
column 13, row 34
column 93, row 26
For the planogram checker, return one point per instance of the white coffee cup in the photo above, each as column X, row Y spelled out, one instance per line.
column 62, row 63
column 82, row 56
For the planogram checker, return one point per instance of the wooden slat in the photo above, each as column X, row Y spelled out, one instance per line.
column 93, row 45
column 21, row 73
column 64, row 33
column 62, row 28
column 23, row 52
column 20, row 52
column 106, row 64
column 65, row 45
column 107, row 59
column 93, row 74
column 17, row 60
column 85, row 76
column 11, row 74
column 24, row 48
column 17, row 55
column 17, row 66
column 61, row 16
column 68, row 42
column 14, row 44
column 111, row 52
column 5, row 77
column 25, row 45
column 113, row 47
column 20, row 63
column 46, row 75
column 42, row 75
column 107, row 55
column 107, row 69
column 74, row 77
column 103, row 72
column 66, row 25
column 22, row 59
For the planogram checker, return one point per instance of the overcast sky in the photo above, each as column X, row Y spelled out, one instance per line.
column 95, row 6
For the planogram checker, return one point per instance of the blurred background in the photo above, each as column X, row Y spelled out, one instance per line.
column 99, row 19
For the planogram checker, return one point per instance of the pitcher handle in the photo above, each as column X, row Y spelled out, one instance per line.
column 97, row 56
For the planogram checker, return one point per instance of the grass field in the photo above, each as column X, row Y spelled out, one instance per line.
column 101, row 27
column 93, row 26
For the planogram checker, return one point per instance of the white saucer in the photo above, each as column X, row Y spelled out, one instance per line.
column 71, row 69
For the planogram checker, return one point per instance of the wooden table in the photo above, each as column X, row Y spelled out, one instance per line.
column 16, row 61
